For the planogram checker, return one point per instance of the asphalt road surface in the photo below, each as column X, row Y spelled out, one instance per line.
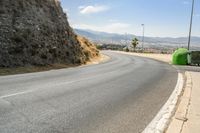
column 121, row 95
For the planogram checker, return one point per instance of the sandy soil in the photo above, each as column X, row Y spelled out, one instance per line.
column 99, row 59
column 161, row 57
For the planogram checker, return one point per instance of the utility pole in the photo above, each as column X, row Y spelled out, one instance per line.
column 191, row 20
column 142, row 37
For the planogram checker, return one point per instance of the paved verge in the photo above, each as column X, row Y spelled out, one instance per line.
column 187, row 116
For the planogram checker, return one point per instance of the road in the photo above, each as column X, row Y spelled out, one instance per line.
column 121, row 95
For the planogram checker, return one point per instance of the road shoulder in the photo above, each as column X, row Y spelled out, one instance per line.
column 160, row 122
column 187, row 116
column 32, row 69
column 102, row 58
column 160, row 57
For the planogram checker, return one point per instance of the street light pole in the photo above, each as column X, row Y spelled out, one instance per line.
column 191, row 20
column 142, row 37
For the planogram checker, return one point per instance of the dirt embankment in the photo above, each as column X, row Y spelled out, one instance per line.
column 37, row 33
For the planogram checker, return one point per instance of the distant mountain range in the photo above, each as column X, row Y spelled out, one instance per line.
column 103, row 37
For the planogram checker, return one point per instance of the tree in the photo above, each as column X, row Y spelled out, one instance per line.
column 127, row 49
column 134, row 43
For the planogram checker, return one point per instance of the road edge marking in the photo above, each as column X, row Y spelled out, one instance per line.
column 180, row 116
column 15, row 94
column 162, row 119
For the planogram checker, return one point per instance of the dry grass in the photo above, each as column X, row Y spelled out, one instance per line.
column 89, row 50
column 98, row 59
column 31, row 69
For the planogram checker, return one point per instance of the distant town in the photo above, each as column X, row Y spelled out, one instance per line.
column 122, row 42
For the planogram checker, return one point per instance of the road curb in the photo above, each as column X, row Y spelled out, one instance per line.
column 161, row 121
column 180, row 116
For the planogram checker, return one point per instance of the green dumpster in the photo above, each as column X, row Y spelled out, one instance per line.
column 180, row 57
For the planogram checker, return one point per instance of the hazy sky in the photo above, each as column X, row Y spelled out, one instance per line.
column 162, row 18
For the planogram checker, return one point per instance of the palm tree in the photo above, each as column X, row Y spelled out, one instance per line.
column 134, row 43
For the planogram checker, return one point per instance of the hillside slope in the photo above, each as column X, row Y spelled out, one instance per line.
column 103, row 37
column 36, row 32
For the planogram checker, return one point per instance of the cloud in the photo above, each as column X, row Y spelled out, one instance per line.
column 113, row 20
column 110, row 28
column 92, row 9
column 116, row 27
column 65, row 10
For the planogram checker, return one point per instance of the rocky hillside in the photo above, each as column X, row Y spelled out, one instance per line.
column 36, row 32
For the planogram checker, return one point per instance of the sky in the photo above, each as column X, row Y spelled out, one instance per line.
column 162, row 18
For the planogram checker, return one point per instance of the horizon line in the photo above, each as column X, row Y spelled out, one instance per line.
column 88, row 30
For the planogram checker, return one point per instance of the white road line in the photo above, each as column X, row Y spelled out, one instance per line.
column 162, row 119
column 64, row 83
column 29, row 91
column 15, row 94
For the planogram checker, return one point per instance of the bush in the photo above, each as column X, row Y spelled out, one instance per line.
column 127, row 49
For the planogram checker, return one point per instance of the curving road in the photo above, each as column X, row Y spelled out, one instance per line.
column 121, row 95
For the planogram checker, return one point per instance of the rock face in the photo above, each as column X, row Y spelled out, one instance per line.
column 36, row 32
